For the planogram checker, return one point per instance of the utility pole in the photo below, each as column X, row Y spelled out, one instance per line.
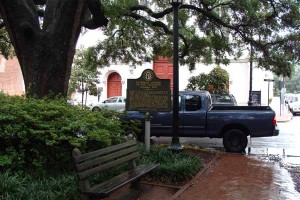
column 175, row 144
column 250, row 103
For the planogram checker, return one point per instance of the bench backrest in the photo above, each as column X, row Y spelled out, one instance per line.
column 94, row 162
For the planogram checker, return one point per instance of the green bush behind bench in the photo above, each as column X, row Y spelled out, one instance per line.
column 40, row 134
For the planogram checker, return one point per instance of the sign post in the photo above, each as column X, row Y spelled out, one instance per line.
column 147, row 131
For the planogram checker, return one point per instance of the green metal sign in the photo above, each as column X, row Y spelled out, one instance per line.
column 148, row 93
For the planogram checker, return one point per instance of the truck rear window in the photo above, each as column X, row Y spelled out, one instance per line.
column 192, row 103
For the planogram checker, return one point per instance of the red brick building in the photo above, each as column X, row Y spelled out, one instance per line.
column 11, row 78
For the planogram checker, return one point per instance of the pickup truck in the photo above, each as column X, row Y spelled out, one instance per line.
column 198, row 118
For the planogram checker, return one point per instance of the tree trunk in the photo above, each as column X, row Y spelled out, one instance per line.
column 45, row 52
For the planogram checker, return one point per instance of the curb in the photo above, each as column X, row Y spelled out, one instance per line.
column 187, row 185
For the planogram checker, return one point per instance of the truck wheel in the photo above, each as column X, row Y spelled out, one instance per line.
column 235, row 140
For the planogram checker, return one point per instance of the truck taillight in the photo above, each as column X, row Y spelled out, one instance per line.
column 274, row 121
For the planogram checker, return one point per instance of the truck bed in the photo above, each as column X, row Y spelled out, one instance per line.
column 250, row 108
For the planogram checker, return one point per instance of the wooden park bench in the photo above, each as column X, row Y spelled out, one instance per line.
column 90, row 164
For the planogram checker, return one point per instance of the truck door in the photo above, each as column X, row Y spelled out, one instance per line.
column 162, row 122
column 194, row 116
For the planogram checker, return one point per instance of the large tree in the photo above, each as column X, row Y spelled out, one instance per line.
column 44, row 34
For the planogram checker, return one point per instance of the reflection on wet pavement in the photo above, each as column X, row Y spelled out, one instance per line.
column 243, row 177
column 286, row 159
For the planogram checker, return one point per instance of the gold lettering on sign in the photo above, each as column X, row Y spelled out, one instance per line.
column 148, row 100
column 148, row 85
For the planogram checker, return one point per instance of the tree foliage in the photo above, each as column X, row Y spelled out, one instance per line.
column 6, row 48
column 84, row 75
column 214, row 82
column 211, row 31
column 292, row 84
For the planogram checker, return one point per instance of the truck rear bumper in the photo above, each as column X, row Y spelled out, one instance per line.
column 276, row 131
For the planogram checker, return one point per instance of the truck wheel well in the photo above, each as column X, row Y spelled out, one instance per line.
column 234, row 126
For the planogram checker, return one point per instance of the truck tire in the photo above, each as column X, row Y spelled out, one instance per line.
column 235, row 140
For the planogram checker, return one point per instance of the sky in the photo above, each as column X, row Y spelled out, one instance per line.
column 89, row 38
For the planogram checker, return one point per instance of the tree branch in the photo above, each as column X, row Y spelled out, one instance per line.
column 164, row 27
column 94, row 17
column 150, row 12
column 17, row 26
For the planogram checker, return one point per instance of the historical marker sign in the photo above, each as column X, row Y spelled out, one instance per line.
column 148, row 93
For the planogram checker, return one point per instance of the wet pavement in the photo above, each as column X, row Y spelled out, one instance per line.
column 227, row 177
column 244, row 177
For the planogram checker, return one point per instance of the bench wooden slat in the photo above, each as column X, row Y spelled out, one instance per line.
column 87, row 173
column 100, row 152
column 106, row 158
column 105, row 188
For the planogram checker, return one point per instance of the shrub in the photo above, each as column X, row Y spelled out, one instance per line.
column 36, row 134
